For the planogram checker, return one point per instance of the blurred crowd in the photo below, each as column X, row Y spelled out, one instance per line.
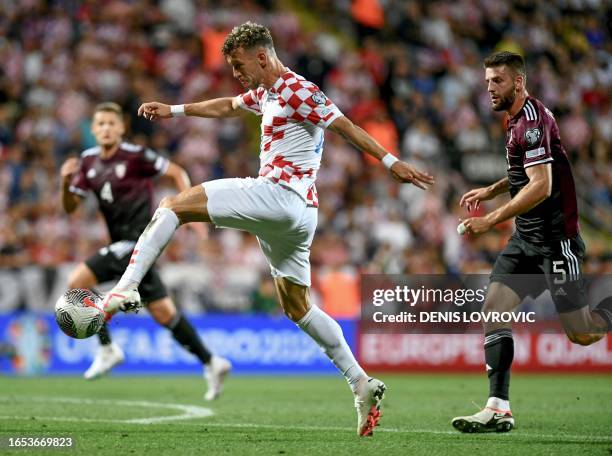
column 409, row 72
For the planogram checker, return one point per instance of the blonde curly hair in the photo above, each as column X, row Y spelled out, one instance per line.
column 247, row 36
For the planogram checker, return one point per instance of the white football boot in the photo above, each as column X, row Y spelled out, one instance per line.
column 487, row 420
column 116, row 300
column 368, row 399
column 107, row 357
column 214, row 374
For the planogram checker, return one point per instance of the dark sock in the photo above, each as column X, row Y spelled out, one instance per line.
column 604, row 310
column 186, row 335
column 104, row 335
column 499, row 352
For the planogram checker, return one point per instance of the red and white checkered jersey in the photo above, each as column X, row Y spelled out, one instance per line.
column 294, row 114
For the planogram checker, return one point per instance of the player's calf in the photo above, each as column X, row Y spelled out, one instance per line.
column 604, row 311
column 584, row 326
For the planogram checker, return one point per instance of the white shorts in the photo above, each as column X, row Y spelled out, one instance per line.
column 279, row 217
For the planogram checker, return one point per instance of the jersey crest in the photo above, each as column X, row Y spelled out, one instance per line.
column 120, row 170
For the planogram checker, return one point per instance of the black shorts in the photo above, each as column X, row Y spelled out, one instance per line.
column 110, row 262
column 529, row 271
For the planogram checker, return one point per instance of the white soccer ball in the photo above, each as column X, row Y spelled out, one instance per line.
column 78, row 313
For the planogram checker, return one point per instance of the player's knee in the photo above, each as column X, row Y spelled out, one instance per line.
column 174, row 204
column 72, row 282
column 163, row 314
column 490, row 306
column 294, row 309
column 294, row 298
column 75, row 281
column 583, row 339
column 290, row 312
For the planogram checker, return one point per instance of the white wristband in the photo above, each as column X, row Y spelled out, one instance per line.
column 177, row 110
column 388, row 160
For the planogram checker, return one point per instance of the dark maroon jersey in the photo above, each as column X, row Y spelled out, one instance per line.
column 533, row 139
column 123, row 186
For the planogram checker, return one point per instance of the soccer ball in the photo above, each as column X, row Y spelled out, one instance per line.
column 78, row 313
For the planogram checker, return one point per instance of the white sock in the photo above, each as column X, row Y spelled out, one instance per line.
column 150, row 245
column 327, row 333
column 498, row 404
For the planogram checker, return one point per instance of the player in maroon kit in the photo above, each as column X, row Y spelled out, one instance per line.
column 120, row 176
column 546, row 245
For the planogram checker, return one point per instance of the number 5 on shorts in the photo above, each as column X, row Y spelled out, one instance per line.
column 558, row 269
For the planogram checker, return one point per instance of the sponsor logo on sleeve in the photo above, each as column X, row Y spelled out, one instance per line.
column 535, row 152
column 532, row 136
column 150, row 155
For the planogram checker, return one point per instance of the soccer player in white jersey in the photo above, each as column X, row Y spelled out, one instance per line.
column 280, row 205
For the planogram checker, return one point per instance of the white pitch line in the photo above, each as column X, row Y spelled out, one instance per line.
column 189, row 411
column 511, row 436
column 508, row 435
column 194, row 412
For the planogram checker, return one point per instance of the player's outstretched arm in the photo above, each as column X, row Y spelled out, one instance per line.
column 473, row 198
column 401, row 171
column 537, row 190
column 70, row 201
column 218, row 107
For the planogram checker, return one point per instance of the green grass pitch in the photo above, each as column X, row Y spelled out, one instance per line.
column 556, row 414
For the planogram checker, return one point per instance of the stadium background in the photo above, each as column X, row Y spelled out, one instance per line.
column 408, row 72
